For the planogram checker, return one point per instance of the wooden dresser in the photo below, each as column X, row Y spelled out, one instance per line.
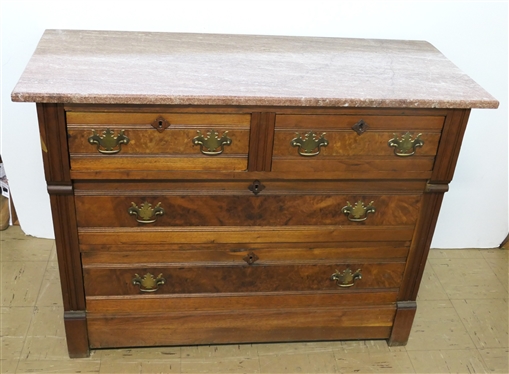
column 227, row 189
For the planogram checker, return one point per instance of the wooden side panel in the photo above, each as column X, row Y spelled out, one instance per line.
column 421, row 242
column 55, row 154
column 244, row 327
column 450, row 144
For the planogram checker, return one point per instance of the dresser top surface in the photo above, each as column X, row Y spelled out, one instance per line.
column 112, row 67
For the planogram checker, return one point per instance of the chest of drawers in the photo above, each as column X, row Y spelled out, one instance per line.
column 243, row 188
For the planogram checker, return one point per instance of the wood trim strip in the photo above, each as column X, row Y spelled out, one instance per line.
column 261, row 141
column 143, row 108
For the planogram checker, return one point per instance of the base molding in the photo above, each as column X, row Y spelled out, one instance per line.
column 75, row 322
column 405, row 313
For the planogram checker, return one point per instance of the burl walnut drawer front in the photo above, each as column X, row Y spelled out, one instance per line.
column 157, row 141
column 229, row 212
column 188, row 210
column 332, row 143
column 189, row 278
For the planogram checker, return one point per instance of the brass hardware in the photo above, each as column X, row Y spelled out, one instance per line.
column 212, row 145
column 256, row 187
column 148, row 283
column 310, row 145
column 107, row 142
column 146, row 214
column 346, row 278
column 251, row 258
column 360, row 127
column 160, row 124
column 43, row 146
column 405, row 146
column 358, row 212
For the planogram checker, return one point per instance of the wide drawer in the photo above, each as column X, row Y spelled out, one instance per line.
column 253, row 275
column 157, row 141
column 333, row 143
column 180, row 205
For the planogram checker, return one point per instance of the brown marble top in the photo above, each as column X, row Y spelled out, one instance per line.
column 113, row 67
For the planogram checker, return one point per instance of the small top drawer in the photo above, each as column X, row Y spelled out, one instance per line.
column 157, row 141
column 360, row 143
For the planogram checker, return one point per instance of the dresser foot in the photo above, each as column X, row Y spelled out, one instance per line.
column 405, row 314
column 76, row 333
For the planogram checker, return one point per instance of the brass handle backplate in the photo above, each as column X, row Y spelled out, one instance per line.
column 405, row 146
column 148, row 283
column 346, row 278
column 358, row 212
column 145, row 213
column 108, row 143
column 309, row 145
column 212, row 144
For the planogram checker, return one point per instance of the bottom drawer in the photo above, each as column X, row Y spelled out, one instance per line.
column 269, row 325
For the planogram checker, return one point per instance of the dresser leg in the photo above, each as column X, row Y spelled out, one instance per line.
column 405, row 314
column 76, row 333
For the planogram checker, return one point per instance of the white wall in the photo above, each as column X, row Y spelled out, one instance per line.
column 474, row 35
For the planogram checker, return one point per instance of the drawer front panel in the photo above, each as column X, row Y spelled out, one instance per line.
column 180, row 279
column 299, row 144
column 248, row 210
column 131, row 141
column 307, row 324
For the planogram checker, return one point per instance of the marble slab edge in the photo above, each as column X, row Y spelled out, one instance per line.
column 252, row 101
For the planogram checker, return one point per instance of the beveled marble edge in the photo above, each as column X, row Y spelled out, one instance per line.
column 115, row 67
column 252, row 101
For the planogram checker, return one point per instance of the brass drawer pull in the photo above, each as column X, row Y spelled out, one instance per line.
column 212, row 145
column 148, row 283
column 145, row 213
column 309, row 145
column 405, row 146
column 108, row 143
column 346, row 278
column 358, row 212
